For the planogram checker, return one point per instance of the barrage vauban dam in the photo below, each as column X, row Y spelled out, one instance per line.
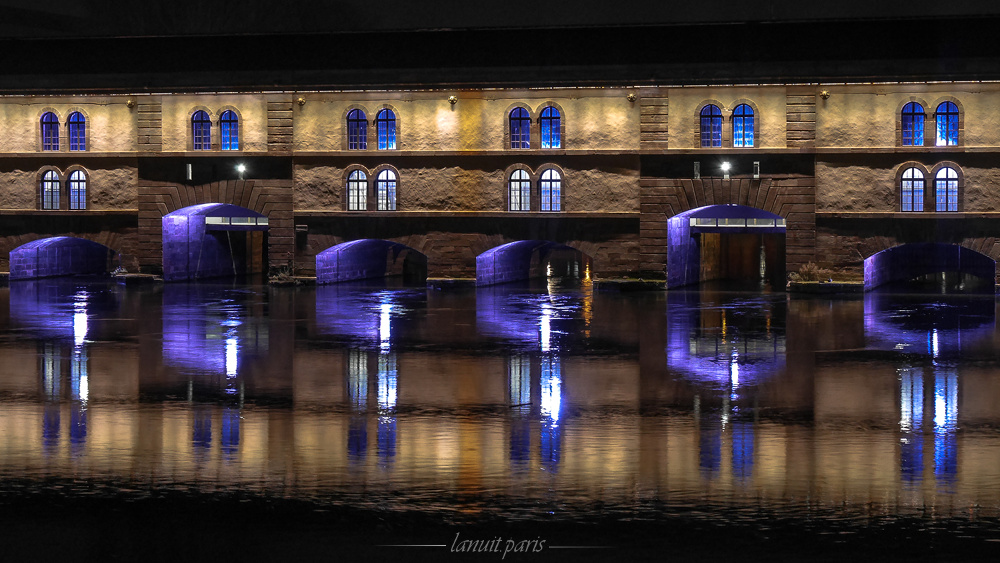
column 680, row 153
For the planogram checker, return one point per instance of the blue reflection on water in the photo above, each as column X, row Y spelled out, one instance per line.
column 941, row 326
column 230, row 436
column 539, row 321
column 945, row 425
column 911, row 462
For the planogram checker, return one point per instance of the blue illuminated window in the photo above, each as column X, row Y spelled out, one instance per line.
column 385, row 186
column 742, row 126
column 229, row 129
column 385, row 126
column 912, row 121
column 50, row 190
column 77, row 190
column 551, row 131
column 912, row 190
column 357, row 191
column 519, row 187
column 201, row 131
column 946, row 189
column 77, row 131
column 711, row 126
column 50, row 132
column 947, row 124
column 520, row 129
column 550, row 188
column 357, row 130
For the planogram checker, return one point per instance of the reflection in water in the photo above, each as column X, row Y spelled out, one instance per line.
column 354, row 399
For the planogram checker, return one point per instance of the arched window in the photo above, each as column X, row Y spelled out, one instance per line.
column 520, row 129
column 711, row 126
column 229, row 130
column 519, row 187
column 77, row 131
column 550, row 188
column 385, row 187
column 385, row 126
column 551, row 132
column 947, row 124
column 912, row 190
column 946, row 189
column 357, row 130
column 742, row 126
column 357, row 191
column 912, row 122
column 50, row 132
column 201, row 131
column 50, row 190
column 77, row 190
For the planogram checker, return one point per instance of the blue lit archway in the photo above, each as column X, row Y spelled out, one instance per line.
column 213, row 240
column 369, row 259
column 526, row 259
column 725, row 242
column 909, row 261
column 59, row 256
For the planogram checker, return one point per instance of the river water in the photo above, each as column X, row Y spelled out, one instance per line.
column 521, row 405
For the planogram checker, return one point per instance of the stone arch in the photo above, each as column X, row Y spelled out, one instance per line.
column 513, row 261
column 907, row 261
column 368, row 259
column 191, row 249
column 59, row 256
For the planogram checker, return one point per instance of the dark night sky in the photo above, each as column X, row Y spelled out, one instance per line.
column 44, row 18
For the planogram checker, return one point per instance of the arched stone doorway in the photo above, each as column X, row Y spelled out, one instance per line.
column 527, row 259
column 368, row 259
column 59, row 256
column 213, row 240
column 915, row 260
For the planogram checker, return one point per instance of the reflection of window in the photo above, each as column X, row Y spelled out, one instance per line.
column 911, row 406
column 357, row 191
column 743, row 126
column 520, row 129
column 550, row 188
column 357, row 130
column 385, row 186
column 50, row 132
column 229, row 129
column 77, row 190
column 519, row 376
column 711, row 126
column 946, row 189
column 357, row 379
column 945, row 425
column 50, row 190
column 912, row 123
column 77, row 132
column 947, row 124
column 201, row 131
column 519, row 187
column 912, row 190
column 551, row 133
column 385, row 126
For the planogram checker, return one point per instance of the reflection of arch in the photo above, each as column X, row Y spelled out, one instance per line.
column 685, row 263
column 369, row 258
column 198, row 241
column 58, row 256
column 941, row 328
column 908, row 261
column 513, row 261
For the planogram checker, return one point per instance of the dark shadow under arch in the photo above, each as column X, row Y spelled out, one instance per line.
column 59, row 256
column 908, row 261
column 512, row 262
column 370, row 258
column 199, row 242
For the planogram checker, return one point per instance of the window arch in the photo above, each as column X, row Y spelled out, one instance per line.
column 912, row 190
column 946, row 118
column 550, row 190
column 385, row 127
column 946, row 189
column 912, row 124
column 385, row 190
column 520, row 128
column 519, row 190
column 357, row 191
column 551, row 126
column 357, row 130
column 229, row 130
column 50, row 190
column 77, row 125
column 50, row 131
column 201, row 131
column 77, row 190
column 711, row 126
column 743, row 126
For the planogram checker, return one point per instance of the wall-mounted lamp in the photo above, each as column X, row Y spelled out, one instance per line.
column 241, row 168
column 825, row 94
column 452, row 100
column 130, row 103
column 301, row 101
column 725, row 170
column 631, row 97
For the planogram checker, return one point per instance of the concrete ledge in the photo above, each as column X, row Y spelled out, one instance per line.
column 136, row 279
column 451, row 283
column 626, row 285
column 825, row 288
